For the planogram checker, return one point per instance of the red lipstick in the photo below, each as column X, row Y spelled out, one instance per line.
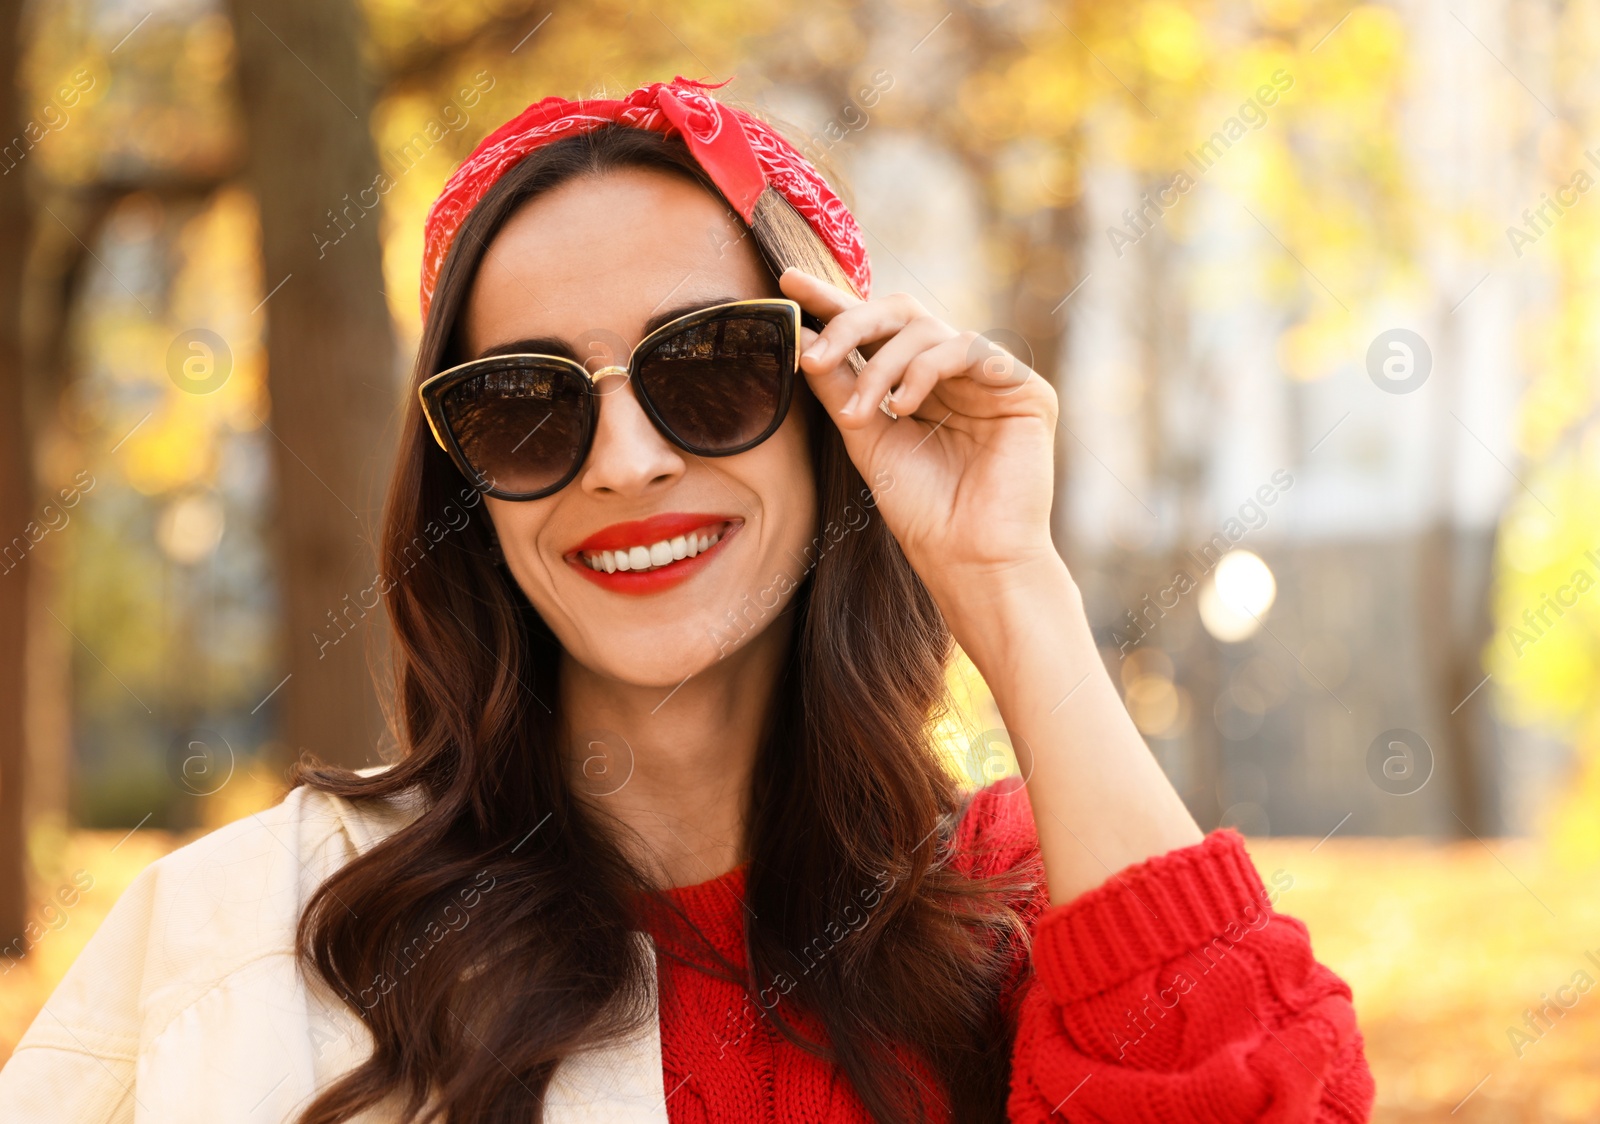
column 643, row 532
column 623, row 537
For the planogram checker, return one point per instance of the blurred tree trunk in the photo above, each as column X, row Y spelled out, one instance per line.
column 331, row 350
column 1452, row 608
column 16, row 490
column 51, row 279
column 1454, row 616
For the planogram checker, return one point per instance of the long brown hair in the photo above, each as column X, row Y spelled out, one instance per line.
column 849, row 797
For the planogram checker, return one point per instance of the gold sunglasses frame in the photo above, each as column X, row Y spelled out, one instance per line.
column 430, row 393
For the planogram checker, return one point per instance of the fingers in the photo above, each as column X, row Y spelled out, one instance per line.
column 814, row 294
column 832, row 387
column 914, row 350
column 993, row 366
column 860, row 325
column 946, row 360
column 851, row 323
column 987, row 365
column 889, row 364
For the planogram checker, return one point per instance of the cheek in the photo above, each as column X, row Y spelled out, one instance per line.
column 517, row 527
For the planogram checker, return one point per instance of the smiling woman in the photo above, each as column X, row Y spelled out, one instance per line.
column 753, row 511
column 731, row 879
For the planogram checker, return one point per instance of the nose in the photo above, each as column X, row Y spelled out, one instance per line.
column 629, row 456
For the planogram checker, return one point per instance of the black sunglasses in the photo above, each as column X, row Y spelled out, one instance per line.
column 715, row 382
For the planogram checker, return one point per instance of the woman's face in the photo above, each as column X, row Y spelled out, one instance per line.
column 592, row 262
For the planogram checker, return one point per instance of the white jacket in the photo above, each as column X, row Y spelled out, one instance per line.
column 187, row 1006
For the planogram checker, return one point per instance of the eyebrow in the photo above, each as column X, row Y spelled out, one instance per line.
column 554, row 345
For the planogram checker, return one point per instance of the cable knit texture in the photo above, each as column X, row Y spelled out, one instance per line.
column 1172, row 993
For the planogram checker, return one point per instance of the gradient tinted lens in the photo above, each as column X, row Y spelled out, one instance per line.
column 520, row 424
column 718, row 385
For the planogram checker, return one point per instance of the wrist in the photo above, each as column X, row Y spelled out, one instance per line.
column 996, row 611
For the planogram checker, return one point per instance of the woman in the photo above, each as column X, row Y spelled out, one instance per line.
column 673, row 579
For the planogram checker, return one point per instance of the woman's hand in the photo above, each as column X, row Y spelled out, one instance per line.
column 965, row 474
column 964, row 480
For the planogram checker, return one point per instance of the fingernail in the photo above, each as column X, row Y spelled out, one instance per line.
column 814, row 351
column 850, row 406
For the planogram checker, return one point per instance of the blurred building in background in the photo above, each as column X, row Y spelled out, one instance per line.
column 1221, row 395
column 1209, row 417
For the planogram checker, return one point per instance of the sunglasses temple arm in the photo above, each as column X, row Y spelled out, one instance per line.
column 856, row 365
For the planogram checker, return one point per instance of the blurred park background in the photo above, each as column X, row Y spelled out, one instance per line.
column 1317, row 283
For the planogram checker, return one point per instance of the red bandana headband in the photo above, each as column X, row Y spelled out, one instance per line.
column 740, row 153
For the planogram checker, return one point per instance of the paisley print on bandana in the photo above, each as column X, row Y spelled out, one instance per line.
column 740, row 153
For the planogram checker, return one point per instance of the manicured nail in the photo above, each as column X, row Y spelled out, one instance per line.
column 850, row 406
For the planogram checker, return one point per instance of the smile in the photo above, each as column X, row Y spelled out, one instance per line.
column 658, row 555
column 652, row 554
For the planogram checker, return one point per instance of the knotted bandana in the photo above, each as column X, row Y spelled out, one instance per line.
column 740, row 153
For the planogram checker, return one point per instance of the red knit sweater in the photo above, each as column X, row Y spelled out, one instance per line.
column 1172, row 993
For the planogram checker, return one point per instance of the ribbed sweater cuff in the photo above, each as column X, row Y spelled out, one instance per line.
column 1145, row 915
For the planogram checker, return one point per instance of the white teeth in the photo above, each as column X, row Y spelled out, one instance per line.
column 650, row 557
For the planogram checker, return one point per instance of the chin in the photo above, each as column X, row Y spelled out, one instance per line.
column 651, row 657
column 653, row 646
